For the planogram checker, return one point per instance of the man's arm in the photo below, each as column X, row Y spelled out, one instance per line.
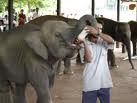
column 93, row 31
column 87, row 53
column 106, row 38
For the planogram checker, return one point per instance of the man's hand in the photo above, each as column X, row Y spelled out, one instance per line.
column 92, row 30
column 79, row 41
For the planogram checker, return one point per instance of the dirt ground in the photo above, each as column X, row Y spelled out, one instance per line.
column 68, row 88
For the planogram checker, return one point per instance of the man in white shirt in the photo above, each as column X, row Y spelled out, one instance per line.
column 96, row 75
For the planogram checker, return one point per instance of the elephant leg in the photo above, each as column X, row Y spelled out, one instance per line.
column 67, row 65
column 78, row 61
column 5, row 92
column 128, row 47
column 123, row 48
column 20, row 93
column 41, row 86
column 51, row 79
column 39, row 76
column 58, row 71
column 108, row 57
column 111, row 58
column 117, row 44
column 113, row 62
column 134, row 48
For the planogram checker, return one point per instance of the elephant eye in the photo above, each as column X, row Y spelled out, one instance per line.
column 57, row 34
column 59, row 37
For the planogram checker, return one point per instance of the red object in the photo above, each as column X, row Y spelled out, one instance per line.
column 22, row 18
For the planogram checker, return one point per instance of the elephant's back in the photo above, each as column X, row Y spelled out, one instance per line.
column 40, row 20
column 108, row 25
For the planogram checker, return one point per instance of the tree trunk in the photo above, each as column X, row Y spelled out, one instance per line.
column 28, row 6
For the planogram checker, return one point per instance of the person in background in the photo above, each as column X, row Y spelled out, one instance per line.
column 96, row 77
column 36, row 13
column 1, row 25
column 21, row 18
column 15, row 23
column 6, row 23
column 30, row 16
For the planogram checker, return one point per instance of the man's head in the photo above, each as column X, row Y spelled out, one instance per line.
column 100, row 25
column 22, row 11
column 37, row 10
column 94, row 38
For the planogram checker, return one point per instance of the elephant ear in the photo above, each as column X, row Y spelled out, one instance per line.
column 34, row 42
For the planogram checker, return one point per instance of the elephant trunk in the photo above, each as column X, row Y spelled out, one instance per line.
column 72, row 46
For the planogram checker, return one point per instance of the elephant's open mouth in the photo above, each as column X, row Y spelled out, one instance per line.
column 72, row 46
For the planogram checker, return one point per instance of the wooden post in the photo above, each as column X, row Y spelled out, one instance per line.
column 118, row 15
column 93, row 7
column 58, row 7
column 10, row 13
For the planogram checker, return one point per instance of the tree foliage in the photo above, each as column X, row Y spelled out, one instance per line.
column 28, row 3
column 3, row 4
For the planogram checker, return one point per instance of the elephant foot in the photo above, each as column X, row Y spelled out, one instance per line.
column 60, row 73
column 68, row 72
column 5, row 98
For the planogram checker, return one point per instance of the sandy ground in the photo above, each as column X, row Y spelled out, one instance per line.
column 68, row 88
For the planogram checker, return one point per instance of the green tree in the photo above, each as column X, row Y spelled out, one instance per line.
column 46, row 4
column 3, row 4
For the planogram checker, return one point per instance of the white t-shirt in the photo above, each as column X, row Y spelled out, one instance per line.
column 35, row 15
column 96, row 74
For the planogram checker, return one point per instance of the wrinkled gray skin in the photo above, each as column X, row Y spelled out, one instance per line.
column 29, row 54
column 119, row 31
column 39, row 21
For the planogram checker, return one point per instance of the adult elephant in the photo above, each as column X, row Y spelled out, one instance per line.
column 29, row 54
column 133, row 27
column 119, row 31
